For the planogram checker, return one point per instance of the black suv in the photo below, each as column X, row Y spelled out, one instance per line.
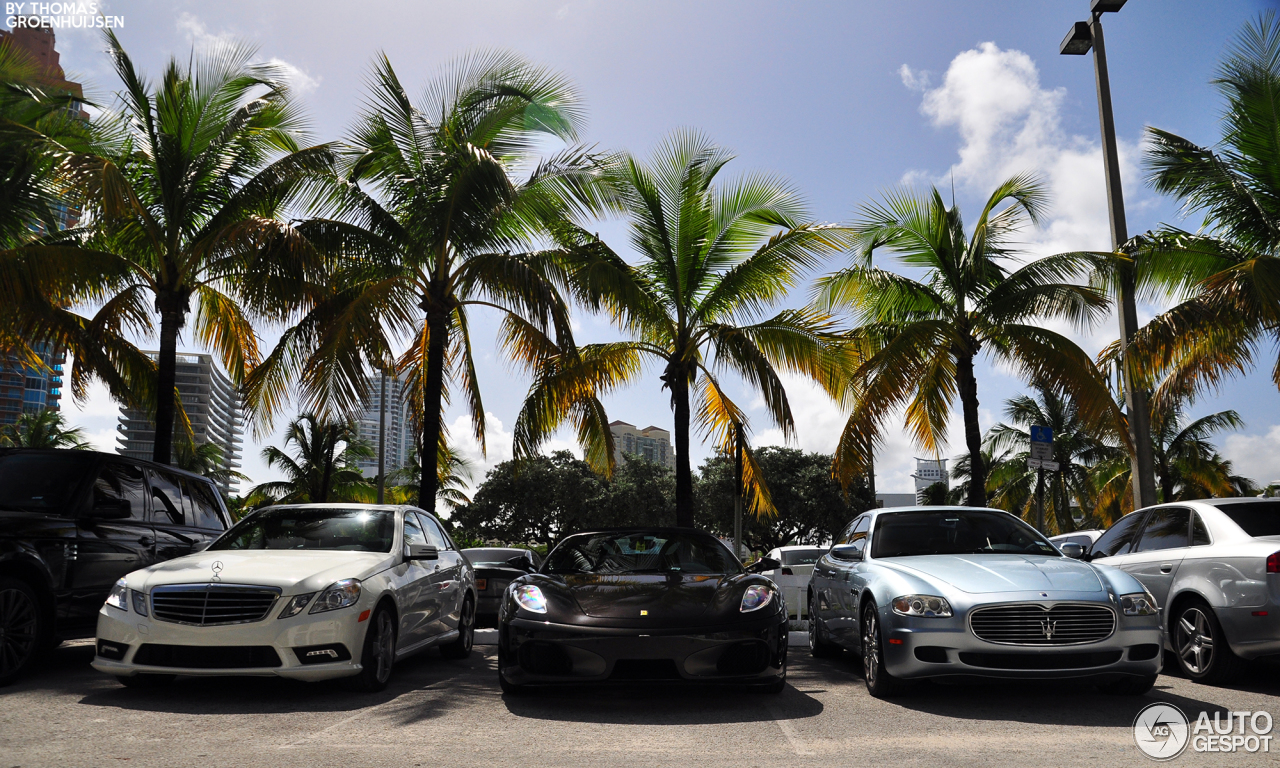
column 71, row 524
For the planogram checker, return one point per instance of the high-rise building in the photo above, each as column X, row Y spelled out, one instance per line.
column 651, row 443
column 400, row 434
column 29, row 388
column 212, row 404
column 928, row 472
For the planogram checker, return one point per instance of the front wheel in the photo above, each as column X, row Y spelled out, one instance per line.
column 378, row 655
column 879, row 682
column 1201, row 645
column 819, row 646
column 23, row 628
column 508, row 687
column 461, row 648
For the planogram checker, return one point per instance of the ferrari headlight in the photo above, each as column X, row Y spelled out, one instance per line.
column 1139, row 604
column 118, row 597
column 756, row 597
column 928, row 606
column 530, row 598
column 340, row 594
column 139, row 602
column 294, row 605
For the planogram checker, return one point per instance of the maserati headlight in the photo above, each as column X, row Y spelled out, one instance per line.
column 928, row 606
column 294, row 605
column 340, row 594
column 530, row 598
column 1139, row 604
column 756, row 597
column 118, row 597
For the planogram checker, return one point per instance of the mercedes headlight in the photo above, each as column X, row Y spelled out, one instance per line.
column 118, row 597
column 139, row 602
column 1139, row 604
column 340, row 594
column 756, row 597
column 294, row 605
column 530, row 598
column 928, row 606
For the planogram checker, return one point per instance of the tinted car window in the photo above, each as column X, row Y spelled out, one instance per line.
column 1199, row 532
column 1260, row 519
column 480, row 556
column 167, row 503
column 955, row 532
column 641, row 552
column 434, row 534
column 802, row 556
column 204, row 505
column 413, row 530
column 352, row 530
column 41, row 482
column 121, row 482
column 1118, row 537
column 1166, row 528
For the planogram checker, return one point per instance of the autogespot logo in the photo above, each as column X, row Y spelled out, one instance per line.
column 1160, row 731
column 1163, row 732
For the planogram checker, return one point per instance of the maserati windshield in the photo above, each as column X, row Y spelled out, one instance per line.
column 955, row 532
column 641, row 552
column 349, row 530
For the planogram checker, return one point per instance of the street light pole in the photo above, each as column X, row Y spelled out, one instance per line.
column 1083, row 36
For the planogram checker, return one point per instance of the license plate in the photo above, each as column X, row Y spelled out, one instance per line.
column 481, row 584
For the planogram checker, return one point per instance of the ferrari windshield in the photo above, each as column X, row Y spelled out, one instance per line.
column 955, row 532
column 641, row 552
column 350, row 530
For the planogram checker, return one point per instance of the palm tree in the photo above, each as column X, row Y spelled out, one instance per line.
column 919, row 339
column 187, row 197
column 1077, row 448
column 1188, row 465
column 1229, row 273
column 713, row 257
column 433, row 215
column 42, row 429
column 454, row 475
column 323, row 465
column 206, row 460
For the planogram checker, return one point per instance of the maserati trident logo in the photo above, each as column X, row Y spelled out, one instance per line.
column 1048, row 628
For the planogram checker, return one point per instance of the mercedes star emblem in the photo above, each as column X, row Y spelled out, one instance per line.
column 217, row 566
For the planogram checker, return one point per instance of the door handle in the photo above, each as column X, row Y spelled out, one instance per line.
column 1166, row 567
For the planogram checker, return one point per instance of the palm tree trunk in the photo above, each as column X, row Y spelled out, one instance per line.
column 432, row 400
column 328, row 443
column 967, row 385
column 684, row 475
column 167, row 378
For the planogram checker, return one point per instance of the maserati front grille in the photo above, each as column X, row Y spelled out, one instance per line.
column 1031, row 624
column 205, row 605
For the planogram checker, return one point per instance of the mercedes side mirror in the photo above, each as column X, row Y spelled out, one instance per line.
column 423, row 552
column 111, row 509
column 847, row 552
column 764, row 564
column 1072, row 550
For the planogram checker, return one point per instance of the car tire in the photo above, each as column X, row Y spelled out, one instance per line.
column 377, row 655
column 1129, row 686
column 461, row 648
column 24, row 629
column 509, row 688
column 819, row 645
column 146, row 681
column 1200, row 645
column 879, row 682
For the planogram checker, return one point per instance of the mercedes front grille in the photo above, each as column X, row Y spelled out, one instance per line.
column 206, row 605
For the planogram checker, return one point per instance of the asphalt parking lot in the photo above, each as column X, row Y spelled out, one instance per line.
column 451, row 713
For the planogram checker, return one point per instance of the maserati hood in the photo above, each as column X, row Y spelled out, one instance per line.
column 981, row 574
column 668, row 597
column 293, row 571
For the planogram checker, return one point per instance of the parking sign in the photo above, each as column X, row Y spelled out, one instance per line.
column 1042, row 443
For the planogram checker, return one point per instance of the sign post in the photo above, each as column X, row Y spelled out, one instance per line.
column 1041, row 459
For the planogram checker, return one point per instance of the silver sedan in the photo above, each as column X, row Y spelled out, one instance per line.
column 1214, row 565
column 927, row 592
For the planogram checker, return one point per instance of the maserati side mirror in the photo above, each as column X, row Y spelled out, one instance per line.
column 1071, row 550
column 764, row 564
column 521, row 562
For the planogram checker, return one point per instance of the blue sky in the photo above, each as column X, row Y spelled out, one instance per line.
column 844, row 99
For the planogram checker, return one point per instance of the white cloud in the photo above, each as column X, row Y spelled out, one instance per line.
column 198, row 34
column 1255, row 456
column 500, row 442
column 916, row 80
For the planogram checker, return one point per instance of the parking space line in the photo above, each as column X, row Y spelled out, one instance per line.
column 789, row 730
column 338, row 724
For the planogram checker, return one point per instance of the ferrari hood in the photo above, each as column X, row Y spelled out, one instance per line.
column 670, row 597
column 980, row 574
column 292, row 570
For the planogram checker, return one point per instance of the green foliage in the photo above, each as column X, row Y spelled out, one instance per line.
column 206, row 460
column 42, row 429
column 812, row 507
column 323, row 467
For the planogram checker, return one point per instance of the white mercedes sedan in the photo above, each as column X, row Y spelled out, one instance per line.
column 309, row 591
